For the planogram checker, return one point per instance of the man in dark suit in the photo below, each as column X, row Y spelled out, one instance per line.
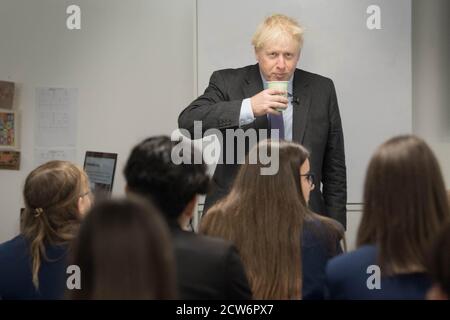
column 207, row 268
column 239, row 98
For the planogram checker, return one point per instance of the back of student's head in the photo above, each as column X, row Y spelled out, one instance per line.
column 252, row 180
column 153, row 170
column 124, row 251
column 52, row 194
column 405, row 204
column 263, row 215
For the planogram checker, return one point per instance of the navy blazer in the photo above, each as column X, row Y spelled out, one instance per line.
column 15, row 271
column 346, row 278
column 318, row 246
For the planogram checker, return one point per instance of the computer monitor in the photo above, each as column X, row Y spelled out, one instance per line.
column 100, row 168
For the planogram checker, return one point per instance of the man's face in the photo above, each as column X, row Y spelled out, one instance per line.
column 278, row 59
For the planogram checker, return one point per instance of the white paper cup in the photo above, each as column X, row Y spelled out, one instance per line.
column 280, row 86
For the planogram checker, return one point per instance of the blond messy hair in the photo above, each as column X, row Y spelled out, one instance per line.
column 277, row 26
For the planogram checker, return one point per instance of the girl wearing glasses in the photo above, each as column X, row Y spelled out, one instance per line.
column 33, row 264
column 283, row 245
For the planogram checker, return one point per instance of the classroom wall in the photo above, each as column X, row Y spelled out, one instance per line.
column 430, row 86
column 132, row 62
column 431, row 77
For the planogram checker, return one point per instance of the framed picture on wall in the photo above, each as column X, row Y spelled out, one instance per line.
column 6, row 94
column 9, row 124
column 9, row 160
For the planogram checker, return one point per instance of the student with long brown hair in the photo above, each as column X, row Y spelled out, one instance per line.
column 405, row 205
column 33, row 264
column 124, row 251
column 284, row 246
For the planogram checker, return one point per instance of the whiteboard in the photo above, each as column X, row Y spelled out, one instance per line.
column 371, row 69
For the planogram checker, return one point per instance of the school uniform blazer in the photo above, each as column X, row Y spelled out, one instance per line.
column 208, row 268
column 348, row 277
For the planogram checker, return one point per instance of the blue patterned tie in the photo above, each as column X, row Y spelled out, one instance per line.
column 276, row 122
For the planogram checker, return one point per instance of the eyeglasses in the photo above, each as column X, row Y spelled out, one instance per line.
column 87, row 193
column 310, row 177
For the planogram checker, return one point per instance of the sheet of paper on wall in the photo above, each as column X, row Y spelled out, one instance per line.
column 56, row 117
column 6, row 94
column 43, row 155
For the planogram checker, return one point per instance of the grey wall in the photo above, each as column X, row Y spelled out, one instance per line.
column 431, row 77
column 132, row 62
column 431, row 69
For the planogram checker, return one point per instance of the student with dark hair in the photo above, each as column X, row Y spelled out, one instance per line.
column 207, row 268
column 33, row 264
column 405, row 205
column 124, row 251
column 439, row 266
column 284, row 246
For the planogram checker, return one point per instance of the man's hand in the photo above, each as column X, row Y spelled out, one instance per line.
column 267, row 101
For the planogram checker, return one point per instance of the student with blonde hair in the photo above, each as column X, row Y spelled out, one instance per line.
column 284, row 246
column 33, row 264
column 405, row 206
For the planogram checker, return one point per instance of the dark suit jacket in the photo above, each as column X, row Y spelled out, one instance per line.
column 208, row 268
column 316, row 125
column 346, row 278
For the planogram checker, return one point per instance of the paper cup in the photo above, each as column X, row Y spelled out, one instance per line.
column 280, row 86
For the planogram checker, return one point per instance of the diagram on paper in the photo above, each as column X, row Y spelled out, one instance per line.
column 56, row 117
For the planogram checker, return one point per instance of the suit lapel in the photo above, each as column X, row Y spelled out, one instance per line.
column 253, row 85
column 300, row 109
